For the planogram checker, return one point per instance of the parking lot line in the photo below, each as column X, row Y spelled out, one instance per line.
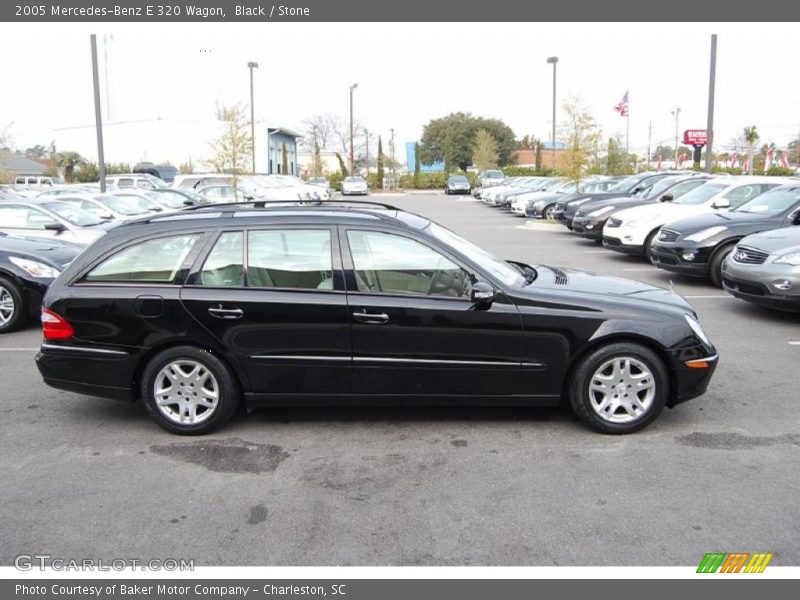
column 699, row 297
column 639, row 269
column 18, row 349
column 794, row 343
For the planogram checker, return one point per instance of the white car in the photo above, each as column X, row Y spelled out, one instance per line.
column 552, row 186
column 108, row 207
column 632, row 230
column 354, row 185
column 491, row 194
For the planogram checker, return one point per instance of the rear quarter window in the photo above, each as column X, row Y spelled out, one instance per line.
column 153, row 261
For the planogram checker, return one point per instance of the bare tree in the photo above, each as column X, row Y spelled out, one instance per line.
column 484, row 150
column 232, row 149
column 581, row 133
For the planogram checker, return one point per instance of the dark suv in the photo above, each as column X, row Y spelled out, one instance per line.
column 276, row 303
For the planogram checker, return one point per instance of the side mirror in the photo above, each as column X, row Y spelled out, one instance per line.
column 54, row 226
column 107, row 217
column 188, row 203
column 796, row 218
column 721, row 203
column 482, row 293
column 667, row 198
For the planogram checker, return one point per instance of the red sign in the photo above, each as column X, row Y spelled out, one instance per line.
column 695, row 137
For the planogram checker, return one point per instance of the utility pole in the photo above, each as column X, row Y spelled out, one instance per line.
column 676, row 113
column 711, row 83
column 352, row 161
column 252, row 65
column 553, row 60
column 98, row 119
column 366, row 150
column 105, row 73
column 394, row 161
column 649, row 138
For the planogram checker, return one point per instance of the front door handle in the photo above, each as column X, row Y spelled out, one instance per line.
column 225, row 313
column 366, row 317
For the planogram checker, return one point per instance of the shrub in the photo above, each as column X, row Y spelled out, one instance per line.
column 86, row 173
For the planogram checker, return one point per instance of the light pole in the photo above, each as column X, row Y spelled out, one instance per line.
column 98, row 119
column 352, row 161
column 675, row 113
column 366, row 151
column 252, row 65
column 553, row 60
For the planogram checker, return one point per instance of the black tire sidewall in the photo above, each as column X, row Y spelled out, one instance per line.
column 20, row 309
column 228, row 398
column 581, row 377
column 715, row 266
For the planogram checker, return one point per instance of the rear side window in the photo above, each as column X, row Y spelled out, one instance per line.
column 740, row 195
column 224, row 266
column 292, row 258
column 153, row 261
column 23, row 217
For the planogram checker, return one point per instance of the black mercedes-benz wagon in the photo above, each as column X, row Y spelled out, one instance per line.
column 276, row 303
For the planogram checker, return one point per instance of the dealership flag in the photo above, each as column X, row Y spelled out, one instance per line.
column 785, row 159
column 622, row 107
column 735, row 160
column 768, row 160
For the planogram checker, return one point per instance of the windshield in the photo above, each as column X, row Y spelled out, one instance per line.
column 497, row 268
column 458, row 179
column 170, row 199
column 354, row 179
column 494, row 175
column 657, row 188
column 626, row 184
column 701, row 194
column 73, row 214
column 123, row 206
column 773, row 202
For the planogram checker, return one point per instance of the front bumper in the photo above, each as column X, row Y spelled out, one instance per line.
column 670, row 257
column 616, row 245
column 589, row 227
column 753, row 283
column 691, row 382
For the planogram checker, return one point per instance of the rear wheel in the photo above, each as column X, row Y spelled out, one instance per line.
column 189, row 391
column 648, row 244
column 619, row 388
column 12, row 306
column 715, row 266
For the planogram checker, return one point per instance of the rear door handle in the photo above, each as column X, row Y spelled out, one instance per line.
column 366, row 317
column 226, row 313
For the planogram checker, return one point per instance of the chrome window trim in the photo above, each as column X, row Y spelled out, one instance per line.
column 380, row 359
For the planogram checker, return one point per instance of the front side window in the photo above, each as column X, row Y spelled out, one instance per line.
column 223, row 267
column 153, row 261
column 23, row 217
column 291, row 258
column 392, row 264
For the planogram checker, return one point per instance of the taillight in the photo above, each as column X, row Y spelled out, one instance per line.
column 55, row 327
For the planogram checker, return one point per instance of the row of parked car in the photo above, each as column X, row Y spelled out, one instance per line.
column 739, row 232
column 44, row 226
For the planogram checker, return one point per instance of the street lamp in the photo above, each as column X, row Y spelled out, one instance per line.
column 553, row 60
column 675, row 113
column 252, row 65
column 352, row 162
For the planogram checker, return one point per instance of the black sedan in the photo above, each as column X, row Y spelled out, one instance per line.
column 364, row 303
column 591, row 217
column 27, row 268
column 699, row 245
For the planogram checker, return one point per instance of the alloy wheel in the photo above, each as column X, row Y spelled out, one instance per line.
column 186, row 392
column 7, row 306
column 622, row 389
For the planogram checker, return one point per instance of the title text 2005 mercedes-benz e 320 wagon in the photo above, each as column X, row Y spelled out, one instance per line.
column 355, row 303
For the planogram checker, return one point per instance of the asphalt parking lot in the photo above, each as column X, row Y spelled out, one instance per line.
column 85, row 477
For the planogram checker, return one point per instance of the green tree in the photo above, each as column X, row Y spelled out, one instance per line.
column 284, row 159
column 316, row 160
column 580, row 134
column 617, row 162
column 186, row 168
column 451, row 138
column 37, row 152
column 751, row 137
column 539, row 146
column 233, row 148
column 86, row 172
column 380, row 162
column 484, row 151
column 417, row 166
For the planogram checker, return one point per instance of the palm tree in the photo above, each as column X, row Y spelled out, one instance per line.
column 68, row 161
column 751, row 137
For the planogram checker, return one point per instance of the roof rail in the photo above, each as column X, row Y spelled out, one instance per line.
column 276, row 203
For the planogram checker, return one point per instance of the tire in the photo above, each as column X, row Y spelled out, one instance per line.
column 594, row 390
column 648, row 244
column 218, row 388
column 13, row 311
column 547, row 213
column 715, row 265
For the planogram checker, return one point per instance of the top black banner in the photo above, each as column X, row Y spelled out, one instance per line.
column 399, row 11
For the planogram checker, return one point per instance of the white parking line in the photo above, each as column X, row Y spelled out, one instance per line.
column 794, row 343
column 595, row 252
column 640, row 269
column 19, row 349
column 698, row 297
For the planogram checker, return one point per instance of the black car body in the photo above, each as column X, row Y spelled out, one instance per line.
column 698, row 245
column 27, row 267
column 591, row 216
column 566, row 208
column 361, row 303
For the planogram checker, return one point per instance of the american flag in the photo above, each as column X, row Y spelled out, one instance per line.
column 622, row 107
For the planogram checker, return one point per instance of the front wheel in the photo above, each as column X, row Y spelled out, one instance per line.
column 619, row 388
column 12, row 306
column 547, row 213
column 715, row 266
column 189, row 391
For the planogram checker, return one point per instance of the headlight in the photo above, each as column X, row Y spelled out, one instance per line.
column 601, row 211
column 706, row 233
column 34, row 268
column 792, row 259
column 697, row 329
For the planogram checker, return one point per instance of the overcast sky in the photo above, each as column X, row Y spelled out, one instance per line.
column 166, row 78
